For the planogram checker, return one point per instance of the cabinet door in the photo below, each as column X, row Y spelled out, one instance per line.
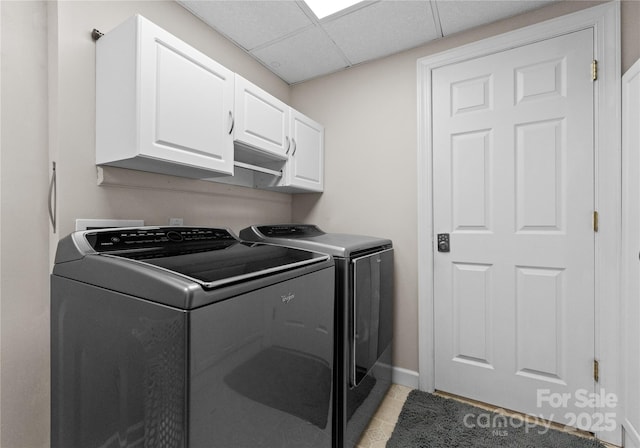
column 305, row 169
column 262, row 120
column 185, row 103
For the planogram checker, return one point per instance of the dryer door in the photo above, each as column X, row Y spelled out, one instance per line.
column 372, row 311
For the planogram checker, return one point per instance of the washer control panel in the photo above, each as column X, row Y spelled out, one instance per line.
column 152, row 237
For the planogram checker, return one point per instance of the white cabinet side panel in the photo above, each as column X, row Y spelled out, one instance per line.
column 116, row 114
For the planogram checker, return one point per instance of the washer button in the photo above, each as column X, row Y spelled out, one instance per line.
column 174, row 236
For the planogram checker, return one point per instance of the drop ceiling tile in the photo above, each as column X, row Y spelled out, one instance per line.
column 383, row 28
column 250, row 23
column 460, row 15
column 307, row 54
column 288, row 40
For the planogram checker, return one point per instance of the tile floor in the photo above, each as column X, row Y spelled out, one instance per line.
column 384, row 420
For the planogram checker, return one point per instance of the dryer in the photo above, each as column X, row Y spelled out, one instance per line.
column 363, row 321
column 187, row 338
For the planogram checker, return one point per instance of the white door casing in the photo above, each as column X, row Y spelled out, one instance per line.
column 513, row 185
column 605, row 22
column 630, row 311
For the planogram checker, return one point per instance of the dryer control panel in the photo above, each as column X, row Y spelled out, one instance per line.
column 291, row 231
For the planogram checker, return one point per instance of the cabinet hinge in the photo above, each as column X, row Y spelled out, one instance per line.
column 596, row 370
column 595, row 221
column 594, row 70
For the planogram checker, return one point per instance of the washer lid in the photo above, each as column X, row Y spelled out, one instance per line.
column 217, row 266
column 208, row 256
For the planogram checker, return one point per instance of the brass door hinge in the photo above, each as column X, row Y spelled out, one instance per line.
column 596, row 370
column 595, row 221
column 594, row 70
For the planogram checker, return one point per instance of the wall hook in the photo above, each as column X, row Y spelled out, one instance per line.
column 95, row 34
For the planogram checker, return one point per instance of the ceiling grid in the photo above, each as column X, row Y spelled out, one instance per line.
column 286, row 37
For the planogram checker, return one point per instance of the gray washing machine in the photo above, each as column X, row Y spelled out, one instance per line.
column 363, row 322
column 186, row 337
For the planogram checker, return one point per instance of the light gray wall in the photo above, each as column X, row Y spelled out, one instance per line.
column 630, row 19
column 370, row 116
column 48, row 114
column 156, row 201
column 24, row 310
column 0, row 214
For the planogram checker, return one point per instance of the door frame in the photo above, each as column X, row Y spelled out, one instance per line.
column 631, row 219
column 605, row 21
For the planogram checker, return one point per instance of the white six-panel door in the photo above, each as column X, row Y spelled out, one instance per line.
column 513, row 185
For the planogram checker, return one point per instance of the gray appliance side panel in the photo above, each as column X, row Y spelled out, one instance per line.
column 336, row 244
column 132, row 278
column 261, row 367
column 68, row 249
column 118, row 370
column 373, row 367
column 387, row 293
column 344, row 244
column 363, row 400
column 372, row 325
column 342, row 303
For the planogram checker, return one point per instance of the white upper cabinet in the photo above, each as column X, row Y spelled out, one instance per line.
column 261, row 129
column 161, row 105
column 305, row 168
column 268, row 133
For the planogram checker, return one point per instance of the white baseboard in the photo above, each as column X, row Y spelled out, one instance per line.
column 405, row 377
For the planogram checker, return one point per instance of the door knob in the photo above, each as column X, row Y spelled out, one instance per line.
column 443, row 242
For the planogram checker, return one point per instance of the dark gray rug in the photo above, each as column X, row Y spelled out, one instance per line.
column 430, row 421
